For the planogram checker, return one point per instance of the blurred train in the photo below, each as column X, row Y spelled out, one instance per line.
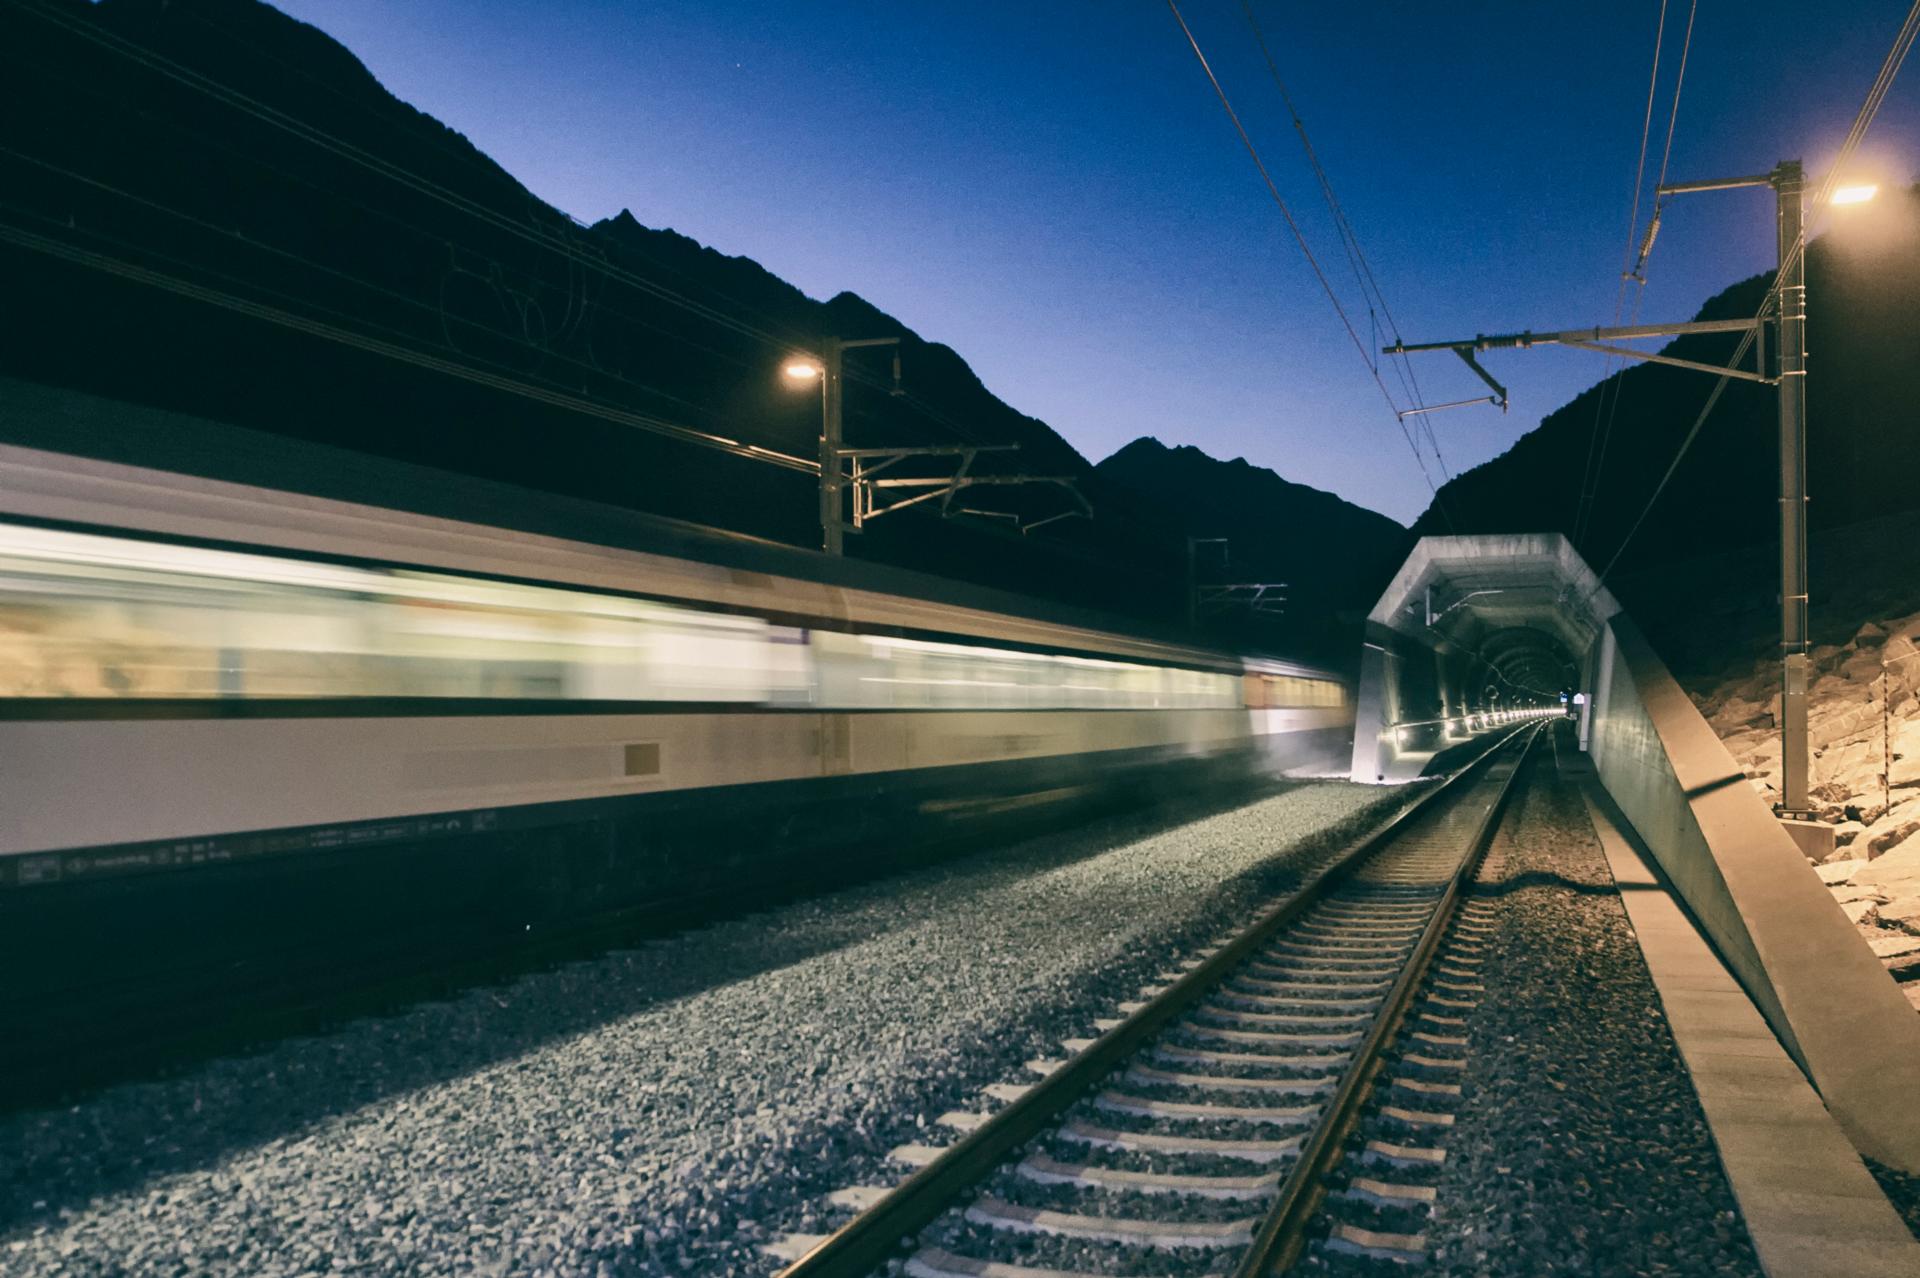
column 228, row 706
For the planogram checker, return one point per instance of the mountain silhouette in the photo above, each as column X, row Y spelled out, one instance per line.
column 218, row 210
column 1333, row 557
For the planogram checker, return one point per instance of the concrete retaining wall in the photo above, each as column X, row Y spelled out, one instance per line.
column 1831, row 1003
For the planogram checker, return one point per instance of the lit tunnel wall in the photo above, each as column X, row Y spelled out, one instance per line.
column 1471, row 629
column 1524, row 617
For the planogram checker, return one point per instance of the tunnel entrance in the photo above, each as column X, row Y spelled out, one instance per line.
column 1471, row 631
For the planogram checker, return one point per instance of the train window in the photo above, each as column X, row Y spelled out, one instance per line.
column 1263, row 691
column 89, row 616
column 83, row 615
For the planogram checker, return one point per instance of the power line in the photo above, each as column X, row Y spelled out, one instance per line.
column 556, row 238
column 347, row 337
column 1889, row 68
column 1300, row 238
column 572, row 254
column 1639, row 274
column 1588, row 483
column 1350, row 241
column 346, row 277
column 398, row 173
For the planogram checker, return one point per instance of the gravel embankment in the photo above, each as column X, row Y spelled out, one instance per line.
column 658, row 1110
column 1581, row 1148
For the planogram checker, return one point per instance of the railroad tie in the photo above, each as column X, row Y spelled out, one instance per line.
column 1246, row 1150
column 1048, row 1171
column 1014, row 1218
column 1376, row 1244
column 932, row 1262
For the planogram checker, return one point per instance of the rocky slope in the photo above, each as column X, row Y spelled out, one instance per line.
column 1864, row 729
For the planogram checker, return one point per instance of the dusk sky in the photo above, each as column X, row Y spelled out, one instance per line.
column 1053, row 190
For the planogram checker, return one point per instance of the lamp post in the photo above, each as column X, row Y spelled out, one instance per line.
column 1789, row 300
column 1790, row 308
column 833, row 480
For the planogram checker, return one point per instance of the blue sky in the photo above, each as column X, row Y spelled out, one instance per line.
column 1052, row 189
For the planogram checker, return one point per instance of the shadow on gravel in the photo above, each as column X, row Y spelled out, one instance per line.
column 1542, row 879
column 128, row 1135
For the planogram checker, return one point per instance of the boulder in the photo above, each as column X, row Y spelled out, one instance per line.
column 1890, row 839
column 1845, row 832
column 1897, row 873
column 1862, row 667
column 1891, row 946
column 1854, row 766
column 1901, row 912
column 1905, row 745
column 1893, row 837
column 1861, row 911
column 1890, row 829
column 1838, row 871
column 1736, row 713
column 1871, row 635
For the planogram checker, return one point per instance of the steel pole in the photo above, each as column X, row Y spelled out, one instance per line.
column 832, row 482
column 1791, row 283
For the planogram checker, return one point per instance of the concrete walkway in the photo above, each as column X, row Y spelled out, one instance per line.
column 1809, row 1203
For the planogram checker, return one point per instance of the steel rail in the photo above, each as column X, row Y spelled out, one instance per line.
column 1283, row 1232
column 869, row 1240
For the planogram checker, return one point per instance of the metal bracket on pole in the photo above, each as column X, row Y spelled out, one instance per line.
column 1404, row 413
column 870, row 490
column 1262, row 597
column 842, row 468
column 1591, row 339
column 1718, row 370
column 1499, row 391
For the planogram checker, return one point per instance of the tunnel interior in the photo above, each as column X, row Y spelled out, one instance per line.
column 1471, row 631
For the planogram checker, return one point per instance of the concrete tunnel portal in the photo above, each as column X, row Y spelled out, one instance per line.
column 1470, row 627
column 1474, row 626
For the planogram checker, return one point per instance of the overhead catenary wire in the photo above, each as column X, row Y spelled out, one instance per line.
column 254, row 240
column 320, row 268
column 1587, row 480
column 555, row 238
column 1863, row 120
column 1638, row 270
column 1306, row 250
column 398, row 173
column 779, row 340
column 1349, row 239
column 275, row 315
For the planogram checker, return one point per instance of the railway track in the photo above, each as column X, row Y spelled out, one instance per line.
column 1261, row 1099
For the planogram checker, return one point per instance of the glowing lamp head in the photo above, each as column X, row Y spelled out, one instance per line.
column 800, row 370
column 1854, row 194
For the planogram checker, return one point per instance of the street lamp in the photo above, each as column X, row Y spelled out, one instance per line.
column 1790, row 308
column 801, row 369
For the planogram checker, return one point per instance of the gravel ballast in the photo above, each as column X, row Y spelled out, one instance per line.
column 1580, row 1147
column 664, row 1109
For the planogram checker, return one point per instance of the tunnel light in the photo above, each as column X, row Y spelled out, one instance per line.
column 1859, row 194
column 800, row 370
